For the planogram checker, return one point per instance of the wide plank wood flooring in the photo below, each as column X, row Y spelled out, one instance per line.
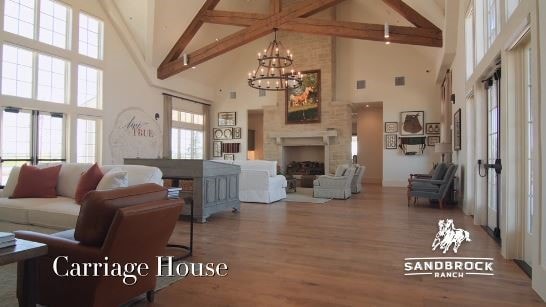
column 342, row 253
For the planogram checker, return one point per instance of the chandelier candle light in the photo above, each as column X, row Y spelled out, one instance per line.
column 272, row 73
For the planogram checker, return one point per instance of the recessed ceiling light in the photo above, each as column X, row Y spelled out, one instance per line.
column 193, row 67
column 367, row 106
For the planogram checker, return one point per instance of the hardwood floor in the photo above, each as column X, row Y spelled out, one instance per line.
column 342, row 253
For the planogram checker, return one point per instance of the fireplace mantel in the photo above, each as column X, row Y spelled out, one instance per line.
column 307, row 137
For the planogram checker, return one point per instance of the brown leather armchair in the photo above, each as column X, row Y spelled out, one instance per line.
column 127, row 225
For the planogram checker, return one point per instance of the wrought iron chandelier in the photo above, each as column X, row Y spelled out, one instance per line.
column 273, row 72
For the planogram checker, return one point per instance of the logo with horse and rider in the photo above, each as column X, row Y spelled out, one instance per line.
column 448, row 235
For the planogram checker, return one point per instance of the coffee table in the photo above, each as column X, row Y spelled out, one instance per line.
column 25, row 253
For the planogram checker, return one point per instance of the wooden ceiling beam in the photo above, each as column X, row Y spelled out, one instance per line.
column 375, row 32
column 232, row 18
column 410, row 14
column 275, row 6
column 189, row 33
column 257, row 30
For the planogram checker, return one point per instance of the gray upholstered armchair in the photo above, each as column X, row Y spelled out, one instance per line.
column 356, row 184
column 435, row 189
column 334, row 186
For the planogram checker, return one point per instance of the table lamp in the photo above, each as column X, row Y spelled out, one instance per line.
column 442, row 148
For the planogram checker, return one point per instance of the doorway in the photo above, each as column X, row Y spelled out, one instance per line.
column 255, row 149
column 368, row 129
column 492, row 86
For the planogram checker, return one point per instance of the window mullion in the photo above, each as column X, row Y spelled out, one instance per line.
column 37, row 8
column 34, row 137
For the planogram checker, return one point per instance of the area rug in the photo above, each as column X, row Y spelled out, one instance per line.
column 8, row 273
column 304, row 195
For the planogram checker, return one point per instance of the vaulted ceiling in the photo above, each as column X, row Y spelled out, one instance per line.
column 157, row 25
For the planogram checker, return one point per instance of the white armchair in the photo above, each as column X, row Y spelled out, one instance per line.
column 334, row 186
column 259, row 182
column 356, row 185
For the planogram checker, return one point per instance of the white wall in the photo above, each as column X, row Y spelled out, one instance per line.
column 378, row 64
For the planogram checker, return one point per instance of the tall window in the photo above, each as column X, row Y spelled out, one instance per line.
column 90, row 36
column 54, row 23
column 469, row 41
column 17, row 70
column 492, row 21
column 19, row 17
column 354, row 145
column 30, row 71
column 30, row 136
column 51, row 79
column 187, row 135
column 480, row 39
column 87, row 141
column 511, row 6
column 89, row 87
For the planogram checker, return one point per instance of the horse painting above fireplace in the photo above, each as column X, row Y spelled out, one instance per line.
column 303, row 102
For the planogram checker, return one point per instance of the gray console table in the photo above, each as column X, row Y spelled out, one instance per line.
column 215, row 184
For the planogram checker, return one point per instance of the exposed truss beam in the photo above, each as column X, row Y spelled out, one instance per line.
column 190, row 32
column 410, row 14
column 276, row 6
column 174, row 65
column 375, row 32
column 293, row 18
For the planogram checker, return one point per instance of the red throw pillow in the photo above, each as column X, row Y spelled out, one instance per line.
column 36, row 182
column 88, row 182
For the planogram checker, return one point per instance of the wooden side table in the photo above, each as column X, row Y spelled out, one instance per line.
column 25, row 253
column 291, row 184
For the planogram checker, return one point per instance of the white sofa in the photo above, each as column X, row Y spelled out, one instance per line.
column 62, row 212
column 259, row 182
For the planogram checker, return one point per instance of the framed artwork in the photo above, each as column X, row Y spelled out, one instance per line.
column 457, row 130
column 222, row 133
column 229, row 157
column 302, row 104
column 237, row 132
column 227, row 119
column 432, row 128
column 391, row 127
column 391, row 141
column 217, row 149
column 432, row 140
column 412, row 123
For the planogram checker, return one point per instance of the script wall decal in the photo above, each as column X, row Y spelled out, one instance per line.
column 135, row 135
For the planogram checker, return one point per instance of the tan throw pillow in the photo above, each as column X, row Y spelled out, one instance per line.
column 113, row 179
column 12, row 182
